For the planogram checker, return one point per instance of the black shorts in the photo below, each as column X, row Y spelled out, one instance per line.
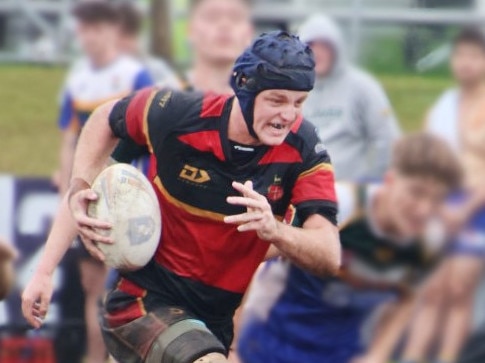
column 133, row 320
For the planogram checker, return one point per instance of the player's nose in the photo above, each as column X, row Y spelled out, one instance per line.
column 289, row 114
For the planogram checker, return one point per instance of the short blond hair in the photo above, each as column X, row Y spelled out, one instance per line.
column 425, row 155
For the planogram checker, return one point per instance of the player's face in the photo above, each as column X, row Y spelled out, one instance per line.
column 468, row 63
column 128, row 43
column 275, row 112
column 220, row 30
column 324, row 57
column 93, row 37
column 413, row 201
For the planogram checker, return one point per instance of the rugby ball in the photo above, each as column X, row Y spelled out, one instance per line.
column 127, row 200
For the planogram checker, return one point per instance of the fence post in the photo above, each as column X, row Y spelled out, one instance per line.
column 161, row 22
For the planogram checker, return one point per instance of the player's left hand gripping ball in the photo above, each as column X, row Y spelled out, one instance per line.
column 258, row 217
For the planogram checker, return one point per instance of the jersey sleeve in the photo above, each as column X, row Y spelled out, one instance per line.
column 67, row 117
column 127, row 150
column 142, row 80
column 146, row 117
column 314, row 190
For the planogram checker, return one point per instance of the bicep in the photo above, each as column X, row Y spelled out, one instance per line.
column 96, row 143
column 314, row 192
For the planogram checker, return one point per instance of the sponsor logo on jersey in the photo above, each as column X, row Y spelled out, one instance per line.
column 319, row 148
column 275, row 190
column 244, row 148
column 164, row 99
column 194, row 175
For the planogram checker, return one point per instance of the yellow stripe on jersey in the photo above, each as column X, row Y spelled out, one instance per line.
column 316, row 168
column 186, row 207
column 145, row 118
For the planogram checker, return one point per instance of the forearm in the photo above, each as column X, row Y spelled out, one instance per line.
column 60, row 239
column 314, row 249
column 390, row 331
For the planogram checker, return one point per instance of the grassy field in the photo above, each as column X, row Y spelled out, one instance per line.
column 28, row 109
column 28, row 113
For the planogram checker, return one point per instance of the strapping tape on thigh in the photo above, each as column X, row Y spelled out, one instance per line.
column 184, row 342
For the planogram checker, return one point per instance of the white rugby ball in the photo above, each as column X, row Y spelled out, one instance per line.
column 127, row 200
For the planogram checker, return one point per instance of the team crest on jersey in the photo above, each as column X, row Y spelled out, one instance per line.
column 275, row 190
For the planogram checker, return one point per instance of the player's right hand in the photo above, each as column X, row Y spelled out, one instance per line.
column 89, row 229
column 36, row 298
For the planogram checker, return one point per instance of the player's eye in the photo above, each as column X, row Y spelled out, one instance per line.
column 275, row 101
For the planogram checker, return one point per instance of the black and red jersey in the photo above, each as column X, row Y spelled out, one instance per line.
column 192, row 171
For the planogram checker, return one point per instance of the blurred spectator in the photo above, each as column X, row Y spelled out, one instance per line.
column 131, row 23
column 8, row 255
column 349, row 107
column 219, row 30
column 293, row 316
column 459, row 118
column 104, row 73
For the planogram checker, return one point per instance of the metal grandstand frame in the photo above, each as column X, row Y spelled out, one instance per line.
column 39, row 30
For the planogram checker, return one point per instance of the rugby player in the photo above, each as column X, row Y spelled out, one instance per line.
column 104, row 73
column 220, row 207
column 218, row 31
column 293, row 316
column 446, row 305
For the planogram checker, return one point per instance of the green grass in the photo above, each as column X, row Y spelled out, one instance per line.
column 28, row 115
column 412, row 96
column 28, row 112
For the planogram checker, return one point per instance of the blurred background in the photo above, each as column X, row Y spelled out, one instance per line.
column 406, row 44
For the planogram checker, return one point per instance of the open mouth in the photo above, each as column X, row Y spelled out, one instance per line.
column 277, row 126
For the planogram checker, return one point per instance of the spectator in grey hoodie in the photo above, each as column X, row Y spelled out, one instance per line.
column 349, row 107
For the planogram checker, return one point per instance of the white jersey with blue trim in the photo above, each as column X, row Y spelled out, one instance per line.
column 88, row 87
